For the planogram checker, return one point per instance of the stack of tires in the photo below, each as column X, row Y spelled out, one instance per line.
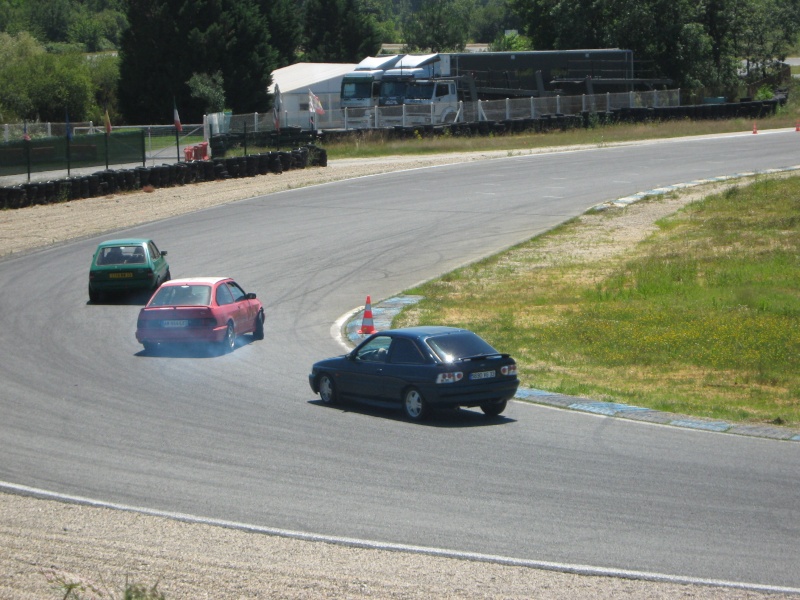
column 115, row 181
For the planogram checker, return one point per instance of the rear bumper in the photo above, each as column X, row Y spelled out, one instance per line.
column 122, row 285
column 181, row 336
column 454, row 395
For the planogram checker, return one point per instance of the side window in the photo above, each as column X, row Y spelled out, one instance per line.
column 375, row 350
column 224, row 295
column 405, row 352
column 236, row 291
column 154, row 253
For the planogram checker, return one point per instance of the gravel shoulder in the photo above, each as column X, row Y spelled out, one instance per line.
column 46, row 544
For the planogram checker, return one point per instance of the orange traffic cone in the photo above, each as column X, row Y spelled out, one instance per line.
column 367, row 326
column 755, row 129
column 797, row 125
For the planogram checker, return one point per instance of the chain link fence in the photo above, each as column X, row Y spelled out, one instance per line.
column 29, row 148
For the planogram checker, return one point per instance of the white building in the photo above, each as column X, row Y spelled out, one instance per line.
column 294, row 82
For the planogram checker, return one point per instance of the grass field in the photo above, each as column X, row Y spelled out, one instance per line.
column 700, row 318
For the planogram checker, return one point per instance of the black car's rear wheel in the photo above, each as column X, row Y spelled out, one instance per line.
column 414, row 405
column 492, row 409
column 229, row 341
column 327, row 390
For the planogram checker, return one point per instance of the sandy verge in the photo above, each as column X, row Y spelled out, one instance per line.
column 46, row 544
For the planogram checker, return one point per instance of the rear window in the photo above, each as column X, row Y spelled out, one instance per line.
column 121, row 255
column 463, row 344
column 182, row 295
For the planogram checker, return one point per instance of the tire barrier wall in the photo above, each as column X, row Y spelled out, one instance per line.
column 110, row 181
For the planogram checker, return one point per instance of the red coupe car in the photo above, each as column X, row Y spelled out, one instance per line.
column 200, row 309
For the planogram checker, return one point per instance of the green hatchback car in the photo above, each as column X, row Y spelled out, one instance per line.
column 126, row 265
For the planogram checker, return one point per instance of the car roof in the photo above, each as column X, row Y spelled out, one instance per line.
column 422, row 331
column 195, row 281
column 124, row 242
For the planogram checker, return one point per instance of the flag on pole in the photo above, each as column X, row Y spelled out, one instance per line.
column 176, row 117
column 25, row 135
column 69, row 129
column 277, row 105
column 314, row 105
column 314, row 109
column 107, row 122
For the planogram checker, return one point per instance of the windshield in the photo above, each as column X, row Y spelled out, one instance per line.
column 420, row 91
column 182, row 295
column 356, row 89
column 393, row 89
column 463, row 344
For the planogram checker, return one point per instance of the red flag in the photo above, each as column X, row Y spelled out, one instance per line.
column 176, row 117
column 107, row 122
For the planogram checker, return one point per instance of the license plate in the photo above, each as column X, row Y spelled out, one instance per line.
column 175, row 323
column 482, row 375
column 125, row 275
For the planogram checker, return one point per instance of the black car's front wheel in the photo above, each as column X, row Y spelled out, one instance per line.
column 327, row 390
column 414, row 405
column 492, row 409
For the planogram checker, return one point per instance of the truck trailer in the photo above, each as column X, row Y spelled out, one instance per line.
column 445, row 79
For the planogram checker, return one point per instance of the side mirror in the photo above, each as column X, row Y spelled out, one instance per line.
column 163, row 253
column 250, row 296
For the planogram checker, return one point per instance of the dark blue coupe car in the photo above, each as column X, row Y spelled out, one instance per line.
column 420, row 369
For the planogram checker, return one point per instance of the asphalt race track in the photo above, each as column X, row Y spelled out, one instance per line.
column 241, row 438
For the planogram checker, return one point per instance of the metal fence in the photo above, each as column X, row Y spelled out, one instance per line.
column 43, row 147
column 409, row 115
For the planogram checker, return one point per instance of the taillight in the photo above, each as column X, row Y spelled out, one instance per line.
column 207, row 322
column 509, row 370
column 449, row 377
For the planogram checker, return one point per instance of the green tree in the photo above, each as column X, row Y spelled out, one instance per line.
column 170, row 40
column 13, row 17
column 104, row 71
column 209, row 89
column 439, row 25
column 49, row 19
column 761, row 33
column 285, row 28
column 491, row 19
column 512, row 42
column 339, row 31
column 60, row 83
column 695, row 44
